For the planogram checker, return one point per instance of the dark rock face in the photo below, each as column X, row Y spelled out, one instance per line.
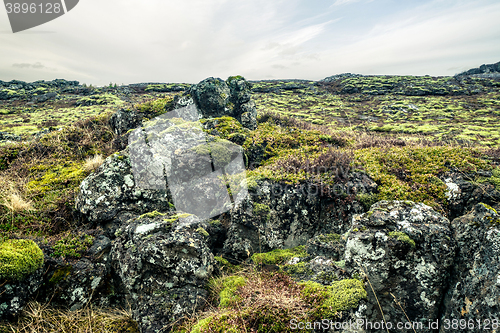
column 15, row 294
column 215, row 97
column 112, row 189
column 283, row 216
column 330, row 246
column 212, row 97
column 474, row 292
column 463, row 195
column 44, row 98
column 483, row 69
column 4, row 136
column 124, row 120
column 405, row 249
column 164, row 264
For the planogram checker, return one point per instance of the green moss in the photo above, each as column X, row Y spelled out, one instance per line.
column 402, row 237
column 176, row 217
column 151, row 215
column 220, row 323
column 329, row 300
column 488, row 207
column 367, row 199
column 60, row 274
column 19, row 258
column 156, row 107
column 220, row 151
column 226, row 265
column 229, row 286
column 53, row 177
column 330, row 238
column 202, row 232
column 279, row 256
column 72, row 245
column 300, row 268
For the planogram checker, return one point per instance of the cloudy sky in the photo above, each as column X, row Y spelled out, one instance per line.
column 129, row 41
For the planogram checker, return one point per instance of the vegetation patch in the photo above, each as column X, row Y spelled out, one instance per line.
column 19, row 258
column 72, row 246
column 402, row 237
column 279, row 256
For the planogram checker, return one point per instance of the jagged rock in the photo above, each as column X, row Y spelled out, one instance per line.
column 5, row 136
column 215, row 97
column 283, row 216
column 405, row 249
column 164, row 264
column 15, row 294
column 212, row 97
column 483, row 69
column 124, row 120
column 463, row 194
column 44, row 98
column 73, row 285
column 474, row 293
column 112, row 189
column 330, row 246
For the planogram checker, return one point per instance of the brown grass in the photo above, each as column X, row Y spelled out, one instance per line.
column 15, row 203
column 42, row 319
column 92, row 163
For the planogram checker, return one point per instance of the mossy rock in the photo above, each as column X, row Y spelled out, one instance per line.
column 279, row 256
column 19, row 258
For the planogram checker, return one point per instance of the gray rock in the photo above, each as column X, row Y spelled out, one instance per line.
column 463, row 194
column 212, row 97
column 44, row 98
column 124, row 120
column 5, row 136
column 15, row 294
column 474, row 293
column 164, row 264
column 284, row 216
column 408, row 270
column 112, row 189
column 330, row 246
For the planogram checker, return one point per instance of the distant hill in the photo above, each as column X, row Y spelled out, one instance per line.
column 484, row 70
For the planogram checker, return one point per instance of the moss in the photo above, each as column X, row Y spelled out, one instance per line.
column 60, row 274
column 72, row 245
column 53, row 177
column 229, row 286
column 329, row 300
column 19, row 258
column 226, row 265
column 176, row 217
column 220, row 151
column 279, row 256
column 202, row 232
column 402, row 237
column 330, row 238
column 488, row 207
column 152, row 214
column 300, row 268
column 216, row 323
column 156, row 107
column 367, row 199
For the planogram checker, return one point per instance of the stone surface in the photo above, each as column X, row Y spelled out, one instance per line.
column 112, row 189
column 164, row 264
column 15, row 294
column 124, row 120
column 283, row 216
column 474, row 293
column 407, row 273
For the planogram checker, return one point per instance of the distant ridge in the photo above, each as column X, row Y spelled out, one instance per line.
column 491, row 70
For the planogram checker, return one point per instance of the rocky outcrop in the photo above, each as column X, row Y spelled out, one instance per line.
column 483, row 69
column 405, row 250
column 112, row 189
column 124, row 120
column 474, row 294
column 463, row 194
column 163, row 263
column 277, row 215
column 215, row 97
column 15, row 294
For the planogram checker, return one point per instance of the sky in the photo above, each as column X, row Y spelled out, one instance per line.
column 130, row 41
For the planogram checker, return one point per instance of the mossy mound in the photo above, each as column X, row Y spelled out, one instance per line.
column 19, row 258
column 279, row 256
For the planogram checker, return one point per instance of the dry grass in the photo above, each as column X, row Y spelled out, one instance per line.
column 38, row 318
column 92, row 163
column 15, row 203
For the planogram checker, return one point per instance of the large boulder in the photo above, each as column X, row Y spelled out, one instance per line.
column 164, row 263
column 463, row 194
column 215, row 97
column 405, row 250
column 21, row 269
column 474, row 294
column 277, row 215
column 112, row 189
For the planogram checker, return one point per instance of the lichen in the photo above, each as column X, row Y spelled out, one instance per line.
column 19, row 258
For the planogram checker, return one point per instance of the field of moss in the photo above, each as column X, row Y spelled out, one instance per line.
column 404, row 132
